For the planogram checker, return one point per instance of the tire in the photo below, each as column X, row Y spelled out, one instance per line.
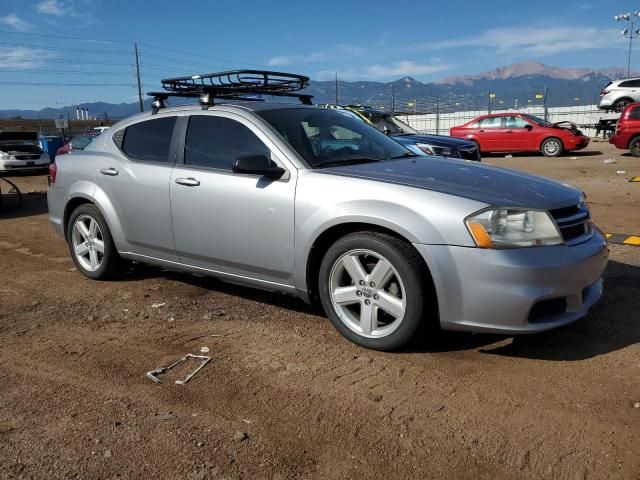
column 552, row 147
column 94, row 237
column 620, row 104
column 634, row 146
column 397, row 304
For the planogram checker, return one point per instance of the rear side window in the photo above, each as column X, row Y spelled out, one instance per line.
column 635, row 113
column 149, row 141
column 217, row 142
column 491, row 122
column 630, row 84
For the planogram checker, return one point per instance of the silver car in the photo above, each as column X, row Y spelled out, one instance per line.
column 309, row 202
column 619, row 93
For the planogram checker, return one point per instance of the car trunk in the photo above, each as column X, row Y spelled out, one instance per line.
column 20, row 143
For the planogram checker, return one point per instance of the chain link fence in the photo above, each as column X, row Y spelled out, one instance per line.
column 584, row 116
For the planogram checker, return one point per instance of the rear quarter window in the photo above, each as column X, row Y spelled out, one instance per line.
column 634, row 114
column 148, row 141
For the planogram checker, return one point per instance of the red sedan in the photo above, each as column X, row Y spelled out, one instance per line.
column 520, row 132
column 77, row 143
column 627, row 134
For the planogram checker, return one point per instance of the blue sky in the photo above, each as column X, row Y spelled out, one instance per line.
column 373, row 40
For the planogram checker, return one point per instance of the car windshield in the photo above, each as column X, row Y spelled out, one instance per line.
column 538, row 120
column 327, row 137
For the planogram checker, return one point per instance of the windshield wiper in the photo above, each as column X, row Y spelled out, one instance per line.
column 404, row 155
column 346, row 161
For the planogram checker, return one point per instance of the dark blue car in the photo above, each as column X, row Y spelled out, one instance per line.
column 440, row 145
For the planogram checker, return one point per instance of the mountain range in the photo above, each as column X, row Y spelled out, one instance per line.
column 511, row 86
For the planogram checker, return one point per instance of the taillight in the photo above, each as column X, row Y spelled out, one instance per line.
column 53, row 171
column 603, row 93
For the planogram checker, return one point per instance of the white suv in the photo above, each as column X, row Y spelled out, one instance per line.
column 619, row 93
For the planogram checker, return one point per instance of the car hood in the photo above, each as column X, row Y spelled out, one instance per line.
column 437, row 140
column 492, row 185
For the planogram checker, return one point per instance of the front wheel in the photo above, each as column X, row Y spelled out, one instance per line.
column 90, row 244
column 373, row 288
column 552, row 147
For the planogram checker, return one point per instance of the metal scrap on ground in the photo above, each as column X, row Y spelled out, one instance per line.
column 152, row 375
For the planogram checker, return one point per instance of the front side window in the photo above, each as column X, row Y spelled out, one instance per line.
column 325, row 137
column 149, row 141
column 217, row 142
column 491, row 122
column 515, row 122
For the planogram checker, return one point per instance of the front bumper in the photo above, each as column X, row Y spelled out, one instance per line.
column 620, row 141
column 495, row 291
column 19, row 165
column 582, row 143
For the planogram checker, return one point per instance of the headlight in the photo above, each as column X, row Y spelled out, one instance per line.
column 513, row 228
column 434, row 150
column 4, row 155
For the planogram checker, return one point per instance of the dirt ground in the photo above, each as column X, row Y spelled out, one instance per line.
column 285, row 396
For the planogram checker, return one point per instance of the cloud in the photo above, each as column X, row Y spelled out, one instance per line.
column 328, row 54
column 22, row 57
column 14, row 21
column 378, row 71
column 532, row 41
column 51, row 7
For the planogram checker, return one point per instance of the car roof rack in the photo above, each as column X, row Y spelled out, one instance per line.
column 232, row 85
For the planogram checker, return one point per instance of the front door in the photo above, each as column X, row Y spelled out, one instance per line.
column 519, row 134
column 238, row 224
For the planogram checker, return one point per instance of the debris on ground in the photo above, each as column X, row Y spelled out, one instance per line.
column 610, row 161
column 152, row 375
column 240, row 436
column 621, row 172
column 636, row 405
column 164, row 416
column 508, row 156
column 204, row 349
column 158, row 305
column 573, row 158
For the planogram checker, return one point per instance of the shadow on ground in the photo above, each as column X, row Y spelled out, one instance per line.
column 33, row 203
column 611, row 325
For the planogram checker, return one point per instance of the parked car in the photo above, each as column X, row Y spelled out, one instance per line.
column 439, row 145
column 521, row 132
column 79, row 142
column 307, row 201
column 627, row 133
column 619, row 93
column 20, row 151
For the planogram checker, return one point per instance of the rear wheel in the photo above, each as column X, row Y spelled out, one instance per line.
column 90, row 244
column 634, row 147
column 620, row 104
column 552, row 147
column 372, row 287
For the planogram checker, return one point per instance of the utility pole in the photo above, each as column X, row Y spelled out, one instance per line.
column 489, row 102
column 437, row 115
column 630, row 32
column 337, row 102
column 135, row 46
column 544, row 103
column 393, row 98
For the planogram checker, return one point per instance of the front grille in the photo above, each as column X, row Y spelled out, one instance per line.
column 468, row 153
column 573, row 222
column 27, row 156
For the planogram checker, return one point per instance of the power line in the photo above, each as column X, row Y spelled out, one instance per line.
column 81, row 39
column 218, row 59
column 63, row 72
column 54, row 84
column 52, row 60
column 64, row 49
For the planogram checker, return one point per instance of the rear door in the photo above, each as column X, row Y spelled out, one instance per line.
column 238, row 224
column 133, row 181
column 490, row 133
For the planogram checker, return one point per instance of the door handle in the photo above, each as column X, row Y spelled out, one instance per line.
column 187, row 181
column 509, row 131
column 481, row 130
column 112, row 172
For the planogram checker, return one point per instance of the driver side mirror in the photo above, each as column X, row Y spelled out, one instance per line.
column 528, row 127
column 257, row 165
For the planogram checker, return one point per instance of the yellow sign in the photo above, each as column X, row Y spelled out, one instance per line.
column 539, row 96
column 529, row 101
column 458, row 103
column 410, row 104
column 492, row 95
column 501, row 101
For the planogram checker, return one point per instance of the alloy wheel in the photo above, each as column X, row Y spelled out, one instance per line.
column 367, row 293
column 88, row 243
column 552, row 147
